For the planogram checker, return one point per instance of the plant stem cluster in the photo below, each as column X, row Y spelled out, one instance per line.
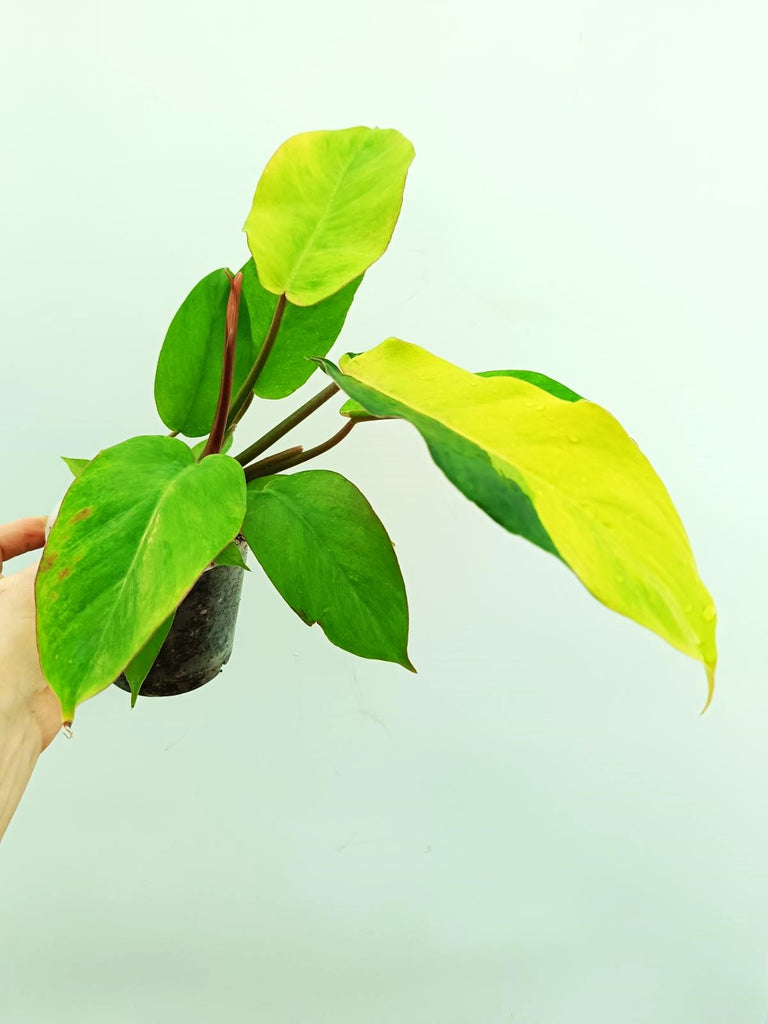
column 230, row 411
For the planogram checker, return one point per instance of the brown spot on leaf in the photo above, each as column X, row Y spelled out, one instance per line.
column 82, row 514
column 52, row 596
column 48, row 559
column 63, row 574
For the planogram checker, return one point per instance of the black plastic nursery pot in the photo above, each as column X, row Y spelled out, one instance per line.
column 200, row 641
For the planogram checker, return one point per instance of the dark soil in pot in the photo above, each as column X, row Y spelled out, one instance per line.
column 201, row 637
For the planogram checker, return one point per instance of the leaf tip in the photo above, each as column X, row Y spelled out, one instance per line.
column 710, row 687
column 321, row 362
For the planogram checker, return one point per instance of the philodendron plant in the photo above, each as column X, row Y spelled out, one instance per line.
column 144, row 519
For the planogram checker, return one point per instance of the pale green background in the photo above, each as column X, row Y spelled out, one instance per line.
column 537, row 828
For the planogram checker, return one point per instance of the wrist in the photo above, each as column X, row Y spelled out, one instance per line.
column 20, row 746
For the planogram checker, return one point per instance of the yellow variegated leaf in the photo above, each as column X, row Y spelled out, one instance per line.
column 325, row 209
column 562, row 473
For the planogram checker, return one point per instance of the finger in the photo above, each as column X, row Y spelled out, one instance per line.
column 20, row 536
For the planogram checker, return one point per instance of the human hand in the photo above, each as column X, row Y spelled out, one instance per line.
column 30, row 713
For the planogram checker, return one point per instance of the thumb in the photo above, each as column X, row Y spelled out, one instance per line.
column 20, row 536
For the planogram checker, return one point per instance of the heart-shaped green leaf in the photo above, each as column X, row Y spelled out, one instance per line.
column 330, row 558
column 562, row 473
column 134, row 532
column 188, row 373
column 325, row 209
column 305, row 331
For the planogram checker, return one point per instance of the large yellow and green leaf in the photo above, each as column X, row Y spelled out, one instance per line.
column 556, row 469
column 325, row 209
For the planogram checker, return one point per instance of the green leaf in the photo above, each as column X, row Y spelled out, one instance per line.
column 330, row 558
column 138, row 670
column 231, row 555
column 188, row 374
column 75, row 465
column 563, row 474
column 135, row 531
column 325, row 209
column 354, row 411
column 305, row 331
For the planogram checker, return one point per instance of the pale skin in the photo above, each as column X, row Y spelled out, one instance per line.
column 30, row 713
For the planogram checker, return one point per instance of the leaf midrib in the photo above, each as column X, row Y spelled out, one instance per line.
column 324, row 215
column 127, row 575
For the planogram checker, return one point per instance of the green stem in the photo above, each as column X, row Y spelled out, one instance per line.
column 281, row 429
column 293, row 457
column 243, row 410
column 244, row 396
